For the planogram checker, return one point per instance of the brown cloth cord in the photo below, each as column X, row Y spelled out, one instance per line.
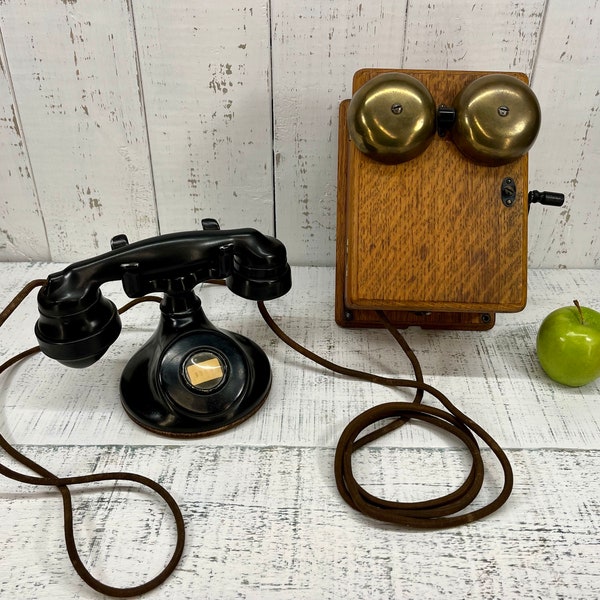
column 438, row 512
column 46, row 478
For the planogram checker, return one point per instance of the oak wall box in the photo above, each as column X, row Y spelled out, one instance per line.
column 433, row 198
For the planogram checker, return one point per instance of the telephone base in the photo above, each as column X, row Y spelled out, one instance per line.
column 156, row 410
column 192, row 379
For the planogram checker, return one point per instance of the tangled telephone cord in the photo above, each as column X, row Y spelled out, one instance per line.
column 46, row 478
column 434, row 514
column 438, row 512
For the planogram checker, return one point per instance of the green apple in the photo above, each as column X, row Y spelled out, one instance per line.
column 568, row 345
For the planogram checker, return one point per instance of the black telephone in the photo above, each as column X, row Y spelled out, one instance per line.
column 190, row 378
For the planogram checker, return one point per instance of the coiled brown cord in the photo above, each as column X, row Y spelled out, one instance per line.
column 46, row 478
column 438, row 512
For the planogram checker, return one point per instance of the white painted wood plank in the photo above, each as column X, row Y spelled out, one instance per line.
column 467, row 35
column 227, row 162
column 22, row 231
column 206, row 79
column 316, row 50
column 75, row 78
column 267, row 522
column 567, row 151
column 492, row 376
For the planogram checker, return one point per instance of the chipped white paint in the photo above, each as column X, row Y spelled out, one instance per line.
column 263, row 515
column 75, row 78
column 138, row 118
column 567, row 81
column 205, row 71
column 316, row 49
column 22, row 231
column 468, row 35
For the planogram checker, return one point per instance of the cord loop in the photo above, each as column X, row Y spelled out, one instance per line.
column 438, row 512
column 46, row 478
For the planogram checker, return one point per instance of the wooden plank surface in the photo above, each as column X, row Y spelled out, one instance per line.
column 206, row 84
column 468, row 35
column 125, row 126
column 22, row 229
column 76, row 80
column 264, row 518
column 267, row 522
column 316, row 50
column 566, row 157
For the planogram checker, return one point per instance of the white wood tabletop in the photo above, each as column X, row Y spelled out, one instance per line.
column 264, row 519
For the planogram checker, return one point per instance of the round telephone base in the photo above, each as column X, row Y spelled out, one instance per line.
column 183, row 428
column 153, row 411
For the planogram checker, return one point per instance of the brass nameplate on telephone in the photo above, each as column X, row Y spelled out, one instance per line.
column 431, row 240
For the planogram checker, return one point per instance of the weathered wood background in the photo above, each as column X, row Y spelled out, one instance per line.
column 140, row 117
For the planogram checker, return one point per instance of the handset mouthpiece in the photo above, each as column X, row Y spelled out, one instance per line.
column 76, row 336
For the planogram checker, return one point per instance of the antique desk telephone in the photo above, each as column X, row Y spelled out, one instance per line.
column 431, row 231
column 190, row 378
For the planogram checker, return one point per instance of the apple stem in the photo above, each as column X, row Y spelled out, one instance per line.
column 576, row 303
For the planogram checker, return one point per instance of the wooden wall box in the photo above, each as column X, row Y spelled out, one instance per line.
column 429, row 240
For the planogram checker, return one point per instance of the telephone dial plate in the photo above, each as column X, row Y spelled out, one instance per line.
column 429, row 240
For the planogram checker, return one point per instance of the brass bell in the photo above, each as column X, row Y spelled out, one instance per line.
column 391, row 118
column 497, row 119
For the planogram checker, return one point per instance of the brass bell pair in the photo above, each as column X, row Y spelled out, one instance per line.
column 495, row 119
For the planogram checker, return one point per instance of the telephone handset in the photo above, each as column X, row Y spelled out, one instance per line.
column 190, row 378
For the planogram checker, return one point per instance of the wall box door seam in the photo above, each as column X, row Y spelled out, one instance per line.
column 430, row 240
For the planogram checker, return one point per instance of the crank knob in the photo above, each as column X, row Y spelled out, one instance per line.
column 497, row 119
column 392, row 118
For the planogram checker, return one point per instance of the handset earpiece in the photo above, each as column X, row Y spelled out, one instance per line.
column 497, row 120
column 76, row 332
column 257, row 267
column 260, row 270
column 392, row 118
